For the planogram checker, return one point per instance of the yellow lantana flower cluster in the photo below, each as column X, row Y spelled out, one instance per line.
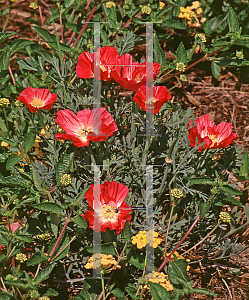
column 146, row 9
column 192, row 14
column 4, row 102
column 161, row 279
column 176, row 193
column 161, row 5
column 110, row 4
column 225, row 217
column 140, row 239
column 108, row 262
column 21, row 257
column 66, row 179
column 33, row 5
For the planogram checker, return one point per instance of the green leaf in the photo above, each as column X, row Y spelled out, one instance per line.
column 203, row 291
column 230, row 190
column 17, row 284
column 6, row 35
column 50, row 39
column 201, row 180
column 215, row 69
column 5, row 60
column 19, row 44
column 12, row 161
column 108, row 249
column 158, row 292
column 51, row 293
column 244, row 167
column 36, row 179
column 62, row 246
column 29, row 140
column 80, row 221
column 127, row 232
column 204, row 208
column 36, row 258
column 5, row 296
column 172, row 24
column 50, row 207
column 2, row 125
column 233, row 22
column 118, row 293
column 159, row 55
column 63, row 165
column 181, row 53
column 2, row 257
column 137, row 260
column 43, row 275
column 24, row 238
column 178, row 269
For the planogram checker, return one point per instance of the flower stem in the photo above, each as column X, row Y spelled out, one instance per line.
column 89, row 148
column 146, row 151
column 167, row 258
column 167, row 232
column 60, row 237
column 215, row 227
column 103, row 286
column 7, row 20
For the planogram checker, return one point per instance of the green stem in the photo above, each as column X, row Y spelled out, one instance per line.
column 167, row 232
column 63, row 248
column 7, row 20
column 174, row 86
column 146, row 151
column 90, row 151
column 19, row 293
column 103, row 286
column 167, row 258
column 70, row 76
column 215, row 227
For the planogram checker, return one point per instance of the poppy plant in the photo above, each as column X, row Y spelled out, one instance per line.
column 81, row 129
column 219, row 136
column 106, row 203
column 132, row 75
column 85, row 66
column 37, row 99
column 160, row 96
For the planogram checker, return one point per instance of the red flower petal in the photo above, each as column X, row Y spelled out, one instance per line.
column 160, row 96
column 88, row 125
column 106, row 202
column 219, row 136
column 37, row 99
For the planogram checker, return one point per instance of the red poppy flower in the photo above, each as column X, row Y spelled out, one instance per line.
column 219, row 136
column 132, row 75
column 106, row 202
column 81, row 129
column 37, row 99
column 85, row 66
column 160, row 96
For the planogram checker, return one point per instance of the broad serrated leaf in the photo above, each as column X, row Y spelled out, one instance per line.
column 50, row 39
column 12, row 161
column 118, row 293
column 230, row 190
column 233, row 22
column 43, row 275
column 159, row 55
column 51, row 293
column 137, row 261
column 215, row 69
column 158, row 292
column 172, row 24
column 19, row 44
column 178, row 268
column 29, row 140
column 63, row 164
column 204, row 208
column 108, row 249
column 80, row 221
column 5, row 296
column 6, row 35
column 50, row 207
column 203, row 291
column 2, row 125
column 24, row 238
column 201, row 180
column 181, row 54
column 37, row 258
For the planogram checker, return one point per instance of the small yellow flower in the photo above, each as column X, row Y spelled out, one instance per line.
column 18, row 103
column 195, row 5
column 108, row 262
column 225, row 217
column 110, row 4
column 13, row 1
column 45, row 236
column 199, row 11
column 201, row 36
column 44, row 298
column 239, row 54
column 4, row 144
column 180, row 67
column 33, row 5
column 48, row 46
column 66, row 179
column 140, row 239
column 183, row 77
column 34, row 294
column 4, row 102
column 162, row 279
column 176, row 193
column 161, row 5
column 146, row 10
column 21, row 257
column 203, row 20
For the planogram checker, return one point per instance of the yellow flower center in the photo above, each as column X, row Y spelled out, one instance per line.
column 214, row 139
column 37, row 103
column 103, row 68
column 108, row 212
column 138, row 78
